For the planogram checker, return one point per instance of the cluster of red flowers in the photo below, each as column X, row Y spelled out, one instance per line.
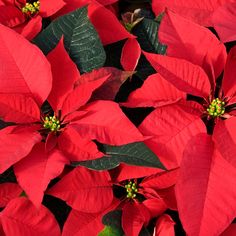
column 56, row 115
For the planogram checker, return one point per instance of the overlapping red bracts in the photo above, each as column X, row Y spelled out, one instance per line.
column 35, row 151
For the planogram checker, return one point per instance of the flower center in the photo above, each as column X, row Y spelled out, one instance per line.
column 51, row 123
column 31, row 8
column 216, row 108
column 131, row 189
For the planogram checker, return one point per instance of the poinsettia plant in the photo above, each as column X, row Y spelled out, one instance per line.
column 117, row 118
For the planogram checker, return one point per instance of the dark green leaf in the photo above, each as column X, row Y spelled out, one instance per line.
column 144, row 232
column 133, row 154
column 80, row 38
column 112, row 220
column 146, row 31
column 147, row 36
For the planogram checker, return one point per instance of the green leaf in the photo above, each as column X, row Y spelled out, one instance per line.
column 147, row 36
column 80, row 39
column 146, row 31
column 110, row 231
column 133, row 154
column 112, row 220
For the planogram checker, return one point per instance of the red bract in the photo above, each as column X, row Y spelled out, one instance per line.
column 164, row 226
column 9, row 191
column 85, row 190
column 205, row 189
column 109, row 89
column 43, row 143
column 169, row 125
column 157, row 193
column 199, row 11
column 230, row 231
column 224, row 20
column 21, row 217
column 197, row 45
column 80, row 223
column 216, row 106
column 26, row 17
column 80, row 190
column 130, row 55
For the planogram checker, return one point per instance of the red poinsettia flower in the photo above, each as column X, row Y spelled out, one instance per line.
column 25, row 17
column 40, row 144
column 224, row 20
column 199, row 11
column 205, row 158
column 176, row 124
column 90, row 192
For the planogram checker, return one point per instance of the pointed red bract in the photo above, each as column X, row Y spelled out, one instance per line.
column 77, row 148
column 15, row 145
column 164, row 226
column 130, row 55
column 205, row 202
column 106, row 123
column 26, row 70
column 199, row 11
column 48, row 8
column 11, row 16
column 194, row 44
column 35, row 171
column 85, row 190
column 21, row 217
column 134, row 216
column 18, row 108
column 224, row 21
column 64, row 76
column 80, row 95
column 161, row 180
column 30, row 29
column 155, row 206
column 81, row 224
column 9, row 191
column 184, row 75
column 155, row 92
column 109, row 89
column 125, row 172
column 229, row 82
column 225, row 139
column 173, row 128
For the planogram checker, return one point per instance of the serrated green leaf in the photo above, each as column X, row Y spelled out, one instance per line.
column 80, row 39
column 133, row 154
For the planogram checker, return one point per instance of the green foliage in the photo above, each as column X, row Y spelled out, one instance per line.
column 133, row 154
column 80, row 39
